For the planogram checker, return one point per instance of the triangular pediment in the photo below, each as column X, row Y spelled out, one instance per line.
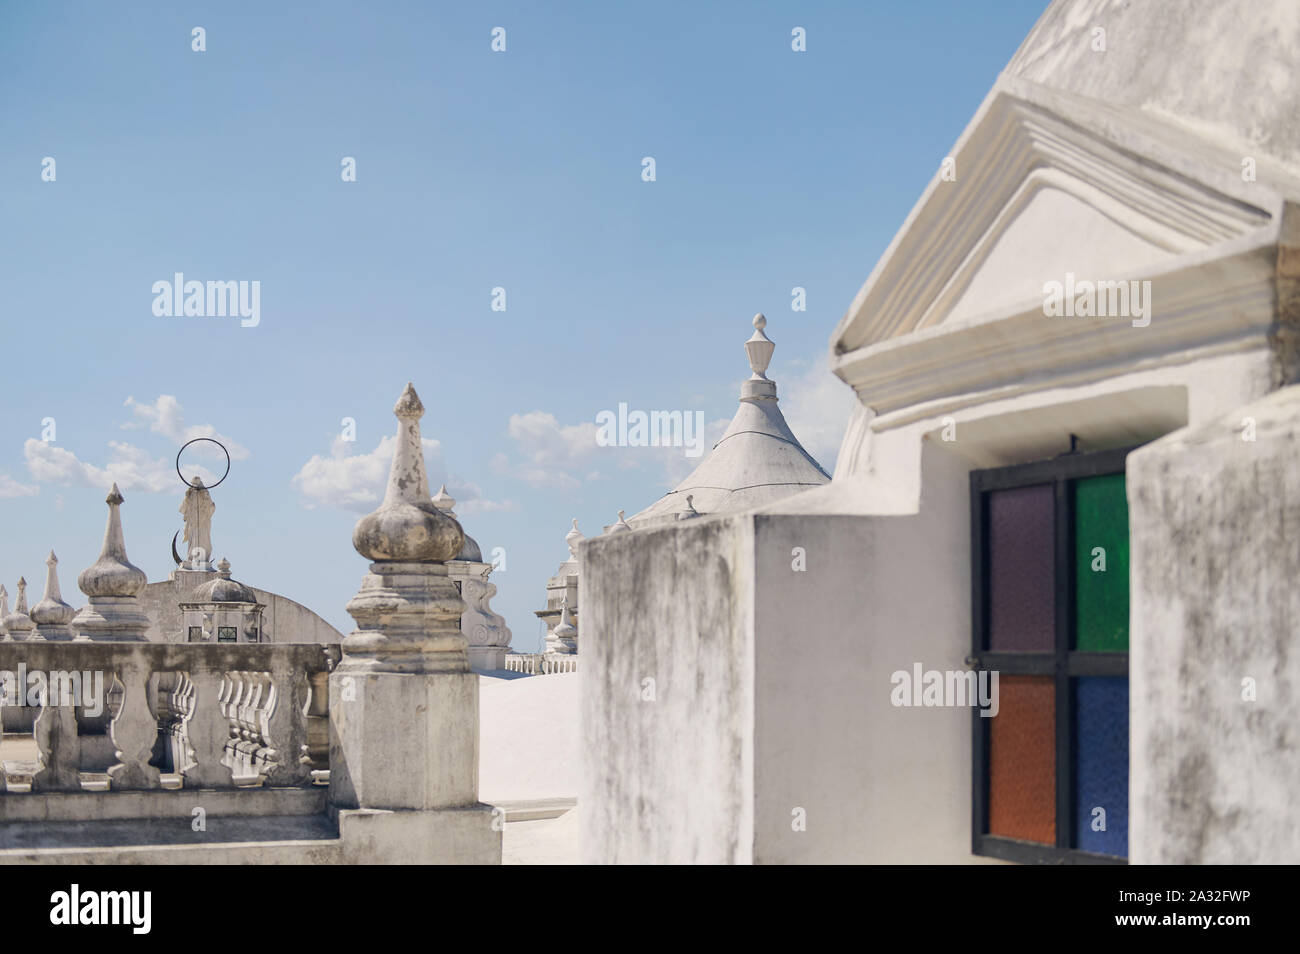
column 1034, row 194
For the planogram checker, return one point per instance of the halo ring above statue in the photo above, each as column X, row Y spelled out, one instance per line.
column 196, row 440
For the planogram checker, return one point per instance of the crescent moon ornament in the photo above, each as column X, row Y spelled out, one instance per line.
column 176, row 556
column 196, row 440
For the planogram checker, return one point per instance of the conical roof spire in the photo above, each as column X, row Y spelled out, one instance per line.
column 757, row 461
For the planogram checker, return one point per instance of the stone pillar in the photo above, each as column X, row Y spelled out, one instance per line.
column 403, row 701
column 1214, row 668
column 113, row 584
column 51, row 615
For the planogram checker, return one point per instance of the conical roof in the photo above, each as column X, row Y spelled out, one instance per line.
column 757, row 461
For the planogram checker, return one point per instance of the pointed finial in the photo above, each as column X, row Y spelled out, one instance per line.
column 18, row 624
column 690, row 510
column 51, row 615
column 4, row 610
column 622, row 526
column 759, row 348
column 112, row 574
column 223, row 568
column 566, row 629
column 573, row 538
column 408, row 403
column 444, row 501
column 52, row 578
column 408, row 527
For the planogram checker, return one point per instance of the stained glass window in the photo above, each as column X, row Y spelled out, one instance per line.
column 1050, row 607
column 1022, row 760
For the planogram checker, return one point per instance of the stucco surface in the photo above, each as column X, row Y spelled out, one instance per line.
column 1226, row 67
column 667, row 771
column 1214, row 565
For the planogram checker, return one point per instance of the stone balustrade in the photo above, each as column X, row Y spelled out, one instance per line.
column 209, row 716
column 540, row 664
column 388, row 718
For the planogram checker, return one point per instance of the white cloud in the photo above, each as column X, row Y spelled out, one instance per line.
column 130, row 467
column 12, row 488
column 357, row 482
column 165, row 416
column 817, row 406
column 550, row 452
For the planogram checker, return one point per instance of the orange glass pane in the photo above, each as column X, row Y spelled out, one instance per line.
column 1022, row 760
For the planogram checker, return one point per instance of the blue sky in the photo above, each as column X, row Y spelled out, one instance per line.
column 475, row 170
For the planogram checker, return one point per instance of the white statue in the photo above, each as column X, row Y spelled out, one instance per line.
column 197, row 509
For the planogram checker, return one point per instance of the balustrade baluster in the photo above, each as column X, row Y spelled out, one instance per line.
column 134, row 731
column 207, row 730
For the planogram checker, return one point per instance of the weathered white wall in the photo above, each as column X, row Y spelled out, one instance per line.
column 1214, row 569
column 668, row 780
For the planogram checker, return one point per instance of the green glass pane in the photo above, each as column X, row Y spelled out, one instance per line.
column 1101, row 564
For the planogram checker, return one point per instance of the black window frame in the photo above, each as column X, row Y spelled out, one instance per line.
column 1062, row 663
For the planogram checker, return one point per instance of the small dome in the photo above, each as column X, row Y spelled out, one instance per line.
column 470, row 552
column 222, row 590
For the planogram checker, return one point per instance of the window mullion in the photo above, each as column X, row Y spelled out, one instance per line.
column 1064, row 615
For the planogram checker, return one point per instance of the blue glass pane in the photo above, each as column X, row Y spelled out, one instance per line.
column 1101, row 764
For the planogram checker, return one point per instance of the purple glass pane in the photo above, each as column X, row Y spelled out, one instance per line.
column 1022, row 592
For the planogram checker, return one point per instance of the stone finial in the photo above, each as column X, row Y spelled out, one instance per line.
column 51, row 615
column 408, row 527
column 565, row 633
column 470, row 551
column 18, row 623
column 573, row 538
column 690, row 510
column 223, row 569
column 444, row 501
column 112, row 574
column 622, row 526
column 759, row 348
column 4, row 611
column 113, row 584
column 407, row 610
